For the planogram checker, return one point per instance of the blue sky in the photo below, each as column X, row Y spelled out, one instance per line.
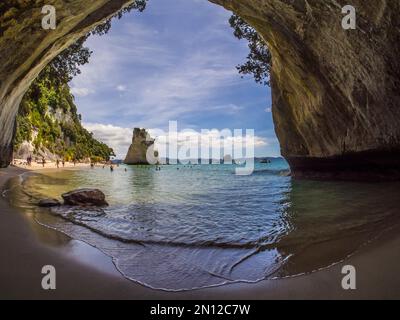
column 174, row 61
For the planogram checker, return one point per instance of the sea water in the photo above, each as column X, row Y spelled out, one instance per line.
column 194, row 226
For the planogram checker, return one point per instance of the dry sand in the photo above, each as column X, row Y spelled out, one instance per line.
column 35, row 166
column 83, row 272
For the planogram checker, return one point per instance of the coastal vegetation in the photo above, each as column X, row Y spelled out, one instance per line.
column 259, row 60
column 48, row 120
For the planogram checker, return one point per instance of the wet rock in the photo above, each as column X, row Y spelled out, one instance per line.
column 85, row 197
column 48, row 203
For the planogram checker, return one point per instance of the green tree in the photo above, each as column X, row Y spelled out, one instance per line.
column 259, row 60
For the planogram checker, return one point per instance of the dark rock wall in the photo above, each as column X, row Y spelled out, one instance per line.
column 336, row 93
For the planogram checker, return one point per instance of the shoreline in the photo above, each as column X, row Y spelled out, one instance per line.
column 50, row 166
column 376, row 265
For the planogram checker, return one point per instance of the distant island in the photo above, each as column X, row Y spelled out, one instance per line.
column 225, row 160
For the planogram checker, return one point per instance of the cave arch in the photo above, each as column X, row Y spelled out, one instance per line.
column 335, row 92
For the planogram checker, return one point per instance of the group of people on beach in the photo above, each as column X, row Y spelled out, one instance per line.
column 61, row 162
column 40, row 161
column 112, row 166
column 58, row 163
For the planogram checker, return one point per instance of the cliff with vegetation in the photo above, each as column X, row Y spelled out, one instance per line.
column 48, row 125
column 26, row 48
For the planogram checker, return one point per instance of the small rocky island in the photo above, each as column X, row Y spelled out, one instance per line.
column 141, row 142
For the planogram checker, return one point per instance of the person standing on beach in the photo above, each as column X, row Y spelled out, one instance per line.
column 63, row 163
column 58, row 163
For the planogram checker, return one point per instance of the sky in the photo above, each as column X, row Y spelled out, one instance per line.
column 176, row 61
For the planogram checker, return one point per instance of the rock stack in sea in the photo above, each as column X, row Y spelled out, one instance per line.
column 141, row 142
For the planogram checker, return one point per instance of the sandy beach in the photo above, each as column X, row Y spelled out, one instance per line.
column 37, row 166
column 84, row 272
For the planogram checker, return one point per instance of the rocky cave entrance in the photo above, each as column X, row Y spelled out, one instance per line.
column 335, row 91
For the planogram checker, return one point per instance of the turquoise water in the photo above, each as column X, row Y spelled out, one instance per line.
column 188, row 227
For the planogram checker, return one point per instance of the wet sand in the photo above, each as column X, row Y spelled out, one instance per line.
column 84, row 272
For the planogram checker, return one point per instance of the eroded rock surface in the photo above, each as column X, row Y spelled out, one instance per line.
column 336, row 93
column 141, row 142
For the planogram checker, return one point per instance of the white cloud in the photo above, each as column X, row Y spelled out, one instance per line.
column 156, row 67
column 173, row 75
column 121, row 88
column 113, row 55
column 120, row 138
column 228, row 108
column 115, row 137
column 81, row 92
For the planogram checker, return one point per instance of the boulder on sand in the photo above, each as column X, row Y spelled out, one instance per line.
column 85, row 197
column 48, row 203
